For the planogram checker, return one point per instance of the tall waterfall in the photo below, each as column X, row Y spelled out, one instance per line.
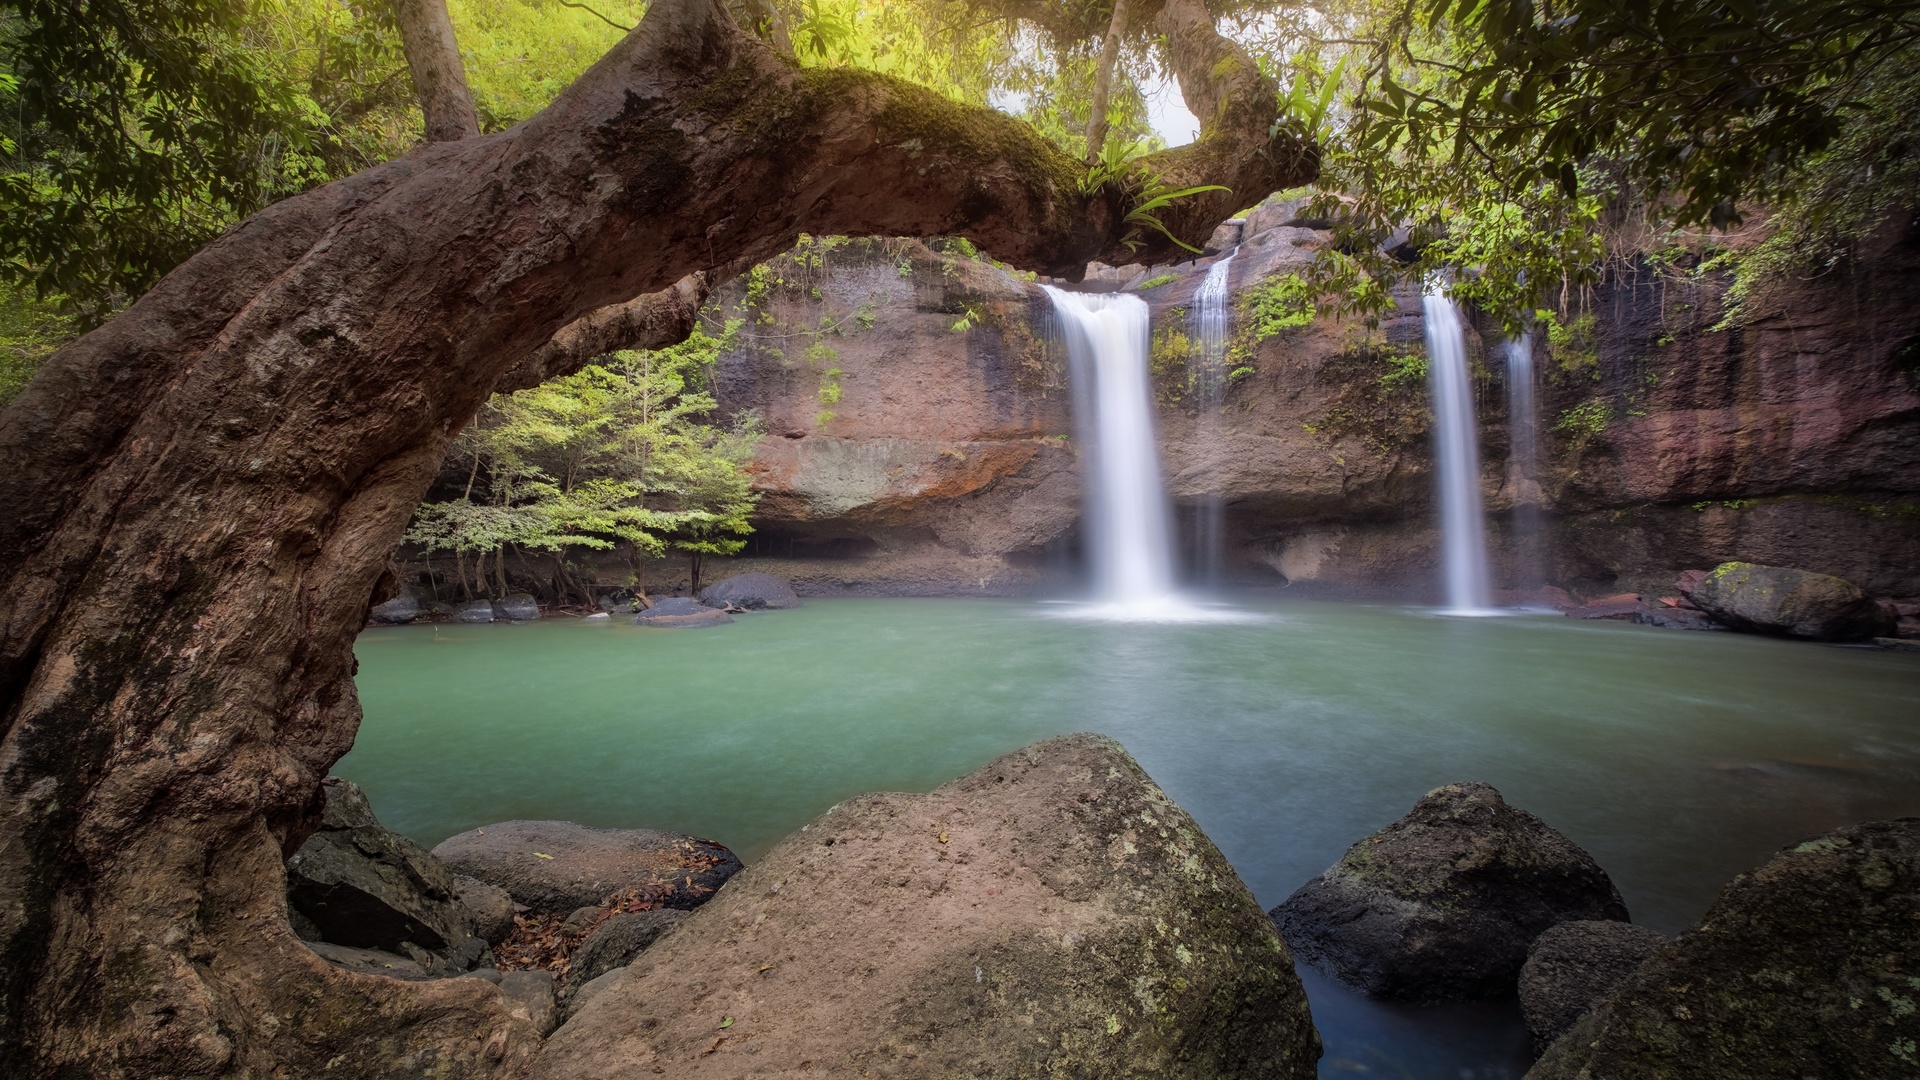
column 1207, row 375
column 1523, row 462
column 1127, row 525
column 1463, row 530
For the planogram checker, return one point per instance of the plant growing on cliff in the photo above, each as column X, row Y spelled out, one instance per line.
column 1285, row 302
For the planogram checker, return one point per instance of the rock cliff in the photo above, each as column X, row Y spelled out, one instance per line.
column 921, row 432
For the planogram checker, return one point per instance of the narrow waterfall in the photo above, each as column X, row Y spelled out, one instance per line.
column 1523, row 463
column 1463, row 530
column 1127, row 523
column 1207, row 375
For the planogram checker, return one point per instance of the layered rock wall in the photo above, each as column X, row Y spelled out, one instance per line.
column 920, row 429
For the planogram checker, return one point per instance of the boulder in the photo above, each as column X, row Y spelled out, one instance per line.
column 363, row 885
column 1796, row 603
column 755, row 592
column 597, row 617
column 579, row 996
column 531, row 994
column 681, row 612
column 615, row 942
column 1442, row 904
column 1674, row 618
column 518, row 607
column 491, row 906
column 400, row 609
column 1574, row 966
column 1053, row 914
column 1806, row 967
column 474, row 611
column 557, row 867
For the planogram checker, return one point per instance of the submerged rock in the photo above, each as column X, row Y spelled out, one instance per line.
column 1806, row 967
column 400, row 609
column 1442, row 904
column 557, row 867
column 754, row 592
column 1053, row 914
column 519, row 607
column 1796, row 603
column 615, row 942
column 1574, row 966
column 681, row 612
column 361, row 884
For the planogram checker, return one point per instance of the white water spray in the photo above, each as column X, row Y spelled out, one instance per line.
column 1128, row 529
column 1207, row 375
column 1463, row 531
column 1523, row 462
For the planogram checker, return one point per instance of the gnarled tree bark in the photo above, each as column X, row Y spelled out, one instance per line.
column 439, row 77
column 201, row 496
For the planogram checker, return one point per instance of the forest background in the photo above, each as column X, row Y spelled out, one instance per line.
column 1524, row 149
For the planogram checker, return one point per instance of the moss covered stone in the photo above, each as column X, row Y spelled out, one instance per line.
column 1806, row 967
column 1442, row 904
column 1052, row 915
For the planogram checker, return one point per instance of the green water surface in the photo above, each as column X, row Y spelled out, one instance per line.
column 1679, row 759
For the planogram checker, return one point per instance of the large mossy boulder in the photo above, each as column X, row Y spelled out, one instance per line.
column 1795, row 603
column 1052, row 915
column 1806, row 967
column 558, row 867
column 1442, row 904
column 363, row 885
column 1575, row 966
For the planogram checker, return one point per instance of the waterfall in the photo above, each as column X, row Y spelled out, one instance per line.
column 1523, row 462
column 1207, row 375
column 1463, row 531
column 1127, row 525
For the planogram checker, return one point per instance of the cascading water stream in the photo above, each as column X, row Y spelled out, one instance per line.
column 1207, row 374
column 1523, row 462
column 1128, row 529
column 1463, row 531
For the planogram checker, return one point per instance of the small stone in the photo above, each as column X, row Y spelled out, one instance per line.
column 531, row 993
column 558, row 867
column 1574, row 966
column 491, row 906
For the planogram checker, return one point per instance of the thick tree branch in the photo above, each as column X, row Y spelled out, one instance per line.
column 201, row 496
column 653, row 321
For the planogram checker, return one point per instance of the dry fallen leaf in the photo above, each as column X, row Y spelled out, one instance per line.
column 541, row 855
column 943, row 838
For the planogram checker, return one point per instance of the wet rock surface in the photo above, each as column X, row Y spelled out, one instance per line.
column 474, row 611
column 1442, row 904
column 1574, row 966
column 558, row 867
column 1052, row 914
column 681, row 612
column 360, row 884
column 1795, row 603
column 400, row 609
column 754, row 592
column 1806, row 967
column 519, row 607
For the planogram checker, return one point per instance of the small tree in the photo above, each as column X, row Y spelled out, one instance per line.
column 617, row 455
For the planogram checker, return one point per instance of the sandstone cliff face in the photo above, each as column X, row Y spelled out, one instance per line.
column 920, row 430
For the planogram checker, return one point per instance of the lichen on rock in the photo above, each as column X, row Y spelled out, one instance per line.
column 1052, row 914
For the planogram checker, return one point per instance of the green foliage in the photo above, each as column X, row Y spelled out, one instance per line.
column 620, row 454
column 520, row 54
column 30, row 329
column 1279, row 303
column 1158, row 280
column 1573, row 344
column 142, row 128
column 1583, row 423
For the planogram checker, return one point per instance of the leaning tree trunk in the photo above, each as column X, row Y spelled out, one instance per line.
column 201, row 495
column 439, row 77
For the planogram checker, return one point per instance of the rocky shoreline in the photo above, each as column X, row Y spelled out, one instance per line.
column 1055, row 912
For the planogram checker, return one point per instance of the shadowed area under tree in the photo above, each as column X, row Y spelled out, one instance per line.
column 204, row 491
